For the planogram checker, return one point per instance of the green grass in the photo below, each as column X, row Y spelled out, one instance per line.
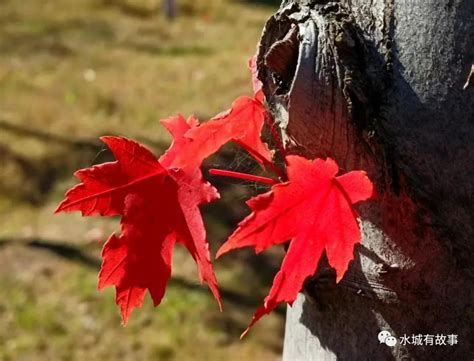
column 52, row 310
column 71, row 71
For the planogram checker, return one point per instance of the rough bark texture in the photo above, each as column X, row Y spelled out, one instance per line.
column 378, row 85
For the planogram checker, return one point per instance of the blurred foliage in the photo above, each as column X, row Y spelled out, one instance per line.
column 71, row 71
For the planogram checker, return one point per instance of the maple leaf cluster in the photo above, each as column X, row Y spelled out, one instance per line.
column 158, row 200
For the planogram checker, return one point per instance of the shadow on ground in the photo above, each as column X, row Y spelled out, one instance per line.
column 73, row 253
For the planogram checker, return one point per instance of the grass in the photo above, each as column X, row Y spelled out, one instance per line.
column 71, row 71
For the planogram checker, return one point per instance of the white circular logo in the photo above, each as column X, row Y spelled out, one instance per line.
column 383, row 335
column 390, row 341
column 387, row 338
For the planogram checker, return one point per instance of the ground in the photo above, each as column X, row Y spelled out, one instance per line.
column 71, row 71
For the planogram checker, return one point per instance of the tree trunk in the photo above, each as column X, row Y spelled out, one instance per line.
column 170, row 9
column 378, row 85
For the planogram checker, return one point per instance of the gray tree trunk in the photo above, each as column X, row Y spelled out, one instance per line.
column 378, row 85
column 170, row 9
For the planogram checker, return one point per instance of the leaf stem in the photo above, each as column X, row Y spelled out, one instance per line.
column 238, row 175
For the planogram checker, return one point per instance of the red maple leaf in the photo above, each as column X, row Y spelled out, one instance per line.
column 313, row 210
column 159, row 207
column 241, row 124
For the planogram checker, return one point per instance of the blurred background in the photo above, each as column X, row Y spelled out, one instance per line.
column 71, row 71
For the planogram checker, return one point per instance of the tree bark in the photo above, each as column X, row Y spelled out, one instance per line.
column 378, row 85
